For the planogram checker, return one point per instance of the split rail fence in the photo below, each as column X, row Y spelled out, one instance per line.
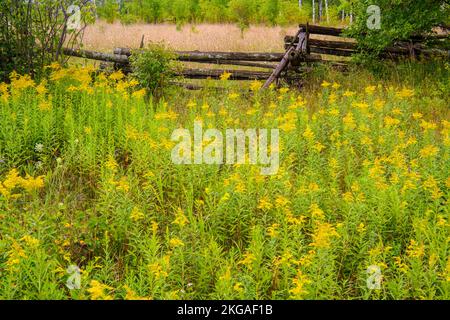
column 311, row 44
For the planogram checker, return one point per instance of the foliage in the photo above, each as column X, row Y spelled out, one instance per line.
column 242, row 12
column 33, row 33
column 86, row 180
column 154, row 67
column 399, row 21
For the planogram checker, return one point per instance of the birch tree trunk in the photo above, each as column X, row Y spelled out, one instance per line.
column 326, row 11
column 314, row 11
column 320, row 15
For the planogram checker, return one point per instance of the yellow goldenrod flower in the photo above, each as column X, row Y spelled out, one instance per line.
column 325, row 84
column 97, row 291
column 336, row 85
column 300, row 281
column 308, row 134
column 349, row 93
column 428, row 151
column 111, row 164
column 238, row 287
column 225, row 76
column 323, row 233
column 316, row 212
column 117, row 75
column 175, row 242
column 131, row 295
column 157, row 270
column 180, row 218
column 233, row 96
column 272, row 231
column 30, row 241
column 349, row 121
column 136, row 214
column 370, row 89
column 249, row 259
column 255, row 85
column 264, row 203
column 415, row 250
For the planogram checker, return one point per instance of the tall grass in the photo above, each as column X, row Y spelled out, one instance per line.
column 363, row 182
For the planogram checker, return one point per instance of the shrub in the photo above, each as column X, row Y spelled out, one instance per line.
column 32, row 34
column 154, row 67
column 399, row 20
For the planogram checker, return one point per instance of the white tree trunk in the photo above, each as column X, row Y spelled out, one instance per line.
column 326, row 11
column 320, row 15
column 314, row 11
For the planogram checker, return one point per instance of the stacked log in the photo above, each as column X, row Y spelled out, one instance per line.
column 199, row 56
column 346, row 49
column 217, row 73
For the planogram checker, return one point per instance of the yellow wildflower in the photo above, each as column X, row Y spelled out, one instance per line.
column 300, row 281
column 308, row 133
column 175, row 242
column 225, row 76
column 255, row 85
column 264, row 203
column 325, row 84
column 415, row 250
column 180, row 218
column 97, row 291
column 428, row 151
column 136, row 214
column 323, row 233
column 272, row 230
column 248, row 260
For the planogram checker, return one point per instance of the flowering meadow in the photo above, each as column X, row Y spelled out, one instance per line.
column 357, row 210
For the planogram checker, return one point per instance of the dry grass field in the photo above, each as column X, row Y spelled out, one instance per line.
column 207, row 37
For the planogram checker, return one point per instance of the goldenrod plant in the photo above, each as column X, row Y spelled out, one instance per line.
column 92, row 207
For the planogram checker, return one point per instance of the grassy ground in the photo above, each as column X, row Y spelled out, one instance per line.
column 360, row 198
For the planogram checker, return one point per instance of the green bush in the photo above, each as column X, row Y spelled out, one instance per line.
column 399, row 20
column 154, row 68
column 33, row 34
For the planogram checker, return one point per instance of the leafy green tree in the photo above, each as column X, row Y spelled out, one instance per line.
column 242, row 12
column 152, row 10
column 108, row 10
column 398, row 20
column 271, row 11
column 214, row 10
column 33, row 34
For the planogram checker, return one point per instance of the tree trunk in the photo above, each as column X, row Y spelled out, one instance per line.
column 314, row 11
column 320, row 15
